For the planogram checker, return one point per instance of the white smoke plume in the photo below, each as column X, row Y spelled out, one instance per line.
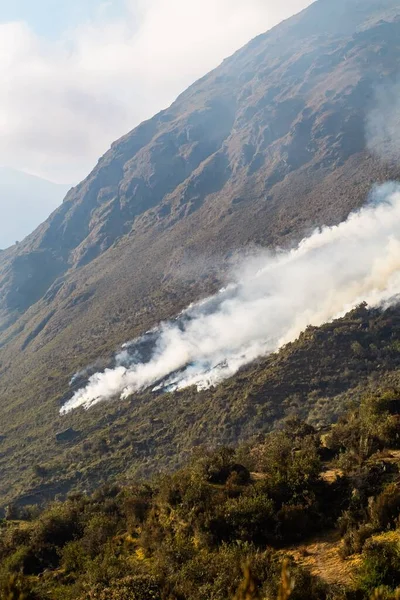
column 270, row 301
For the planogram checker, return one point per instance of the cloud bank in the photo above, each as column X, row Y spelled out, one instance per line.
column 63, row 101
column 271, row 299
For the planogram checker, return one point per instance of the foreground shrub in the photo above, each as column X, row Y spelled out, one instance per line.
column 16, row 587
column 128, row 588
column 354, row 540
column 381, row 566
column 249, row 518
column 385, row 509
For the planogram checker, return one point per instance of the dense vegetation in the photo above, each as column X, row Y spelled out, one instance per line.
column 315, row 378
column 192, row 534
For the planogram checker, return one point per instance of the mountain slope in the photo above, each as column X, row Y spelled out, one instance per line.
column 25, row 201
column 318, row 377
column 268, row 145
column 292, row 102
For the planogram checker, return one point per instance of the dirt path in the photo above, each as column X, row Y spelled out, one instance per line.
column 321, row 556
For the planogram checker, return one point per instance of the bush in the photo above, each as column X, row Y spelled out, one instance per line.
column 220, row 465
column 57, row 526
column 137, row 503
column 248, row 518
column 129, row 588
column 97, row 532
column 294, row 522
column 308, row 586
column 385, row 509
column 16, row 562
column 73, row 558
column 354, row 540
column 292, row 464
column 381, row 566
column 16, row 587
column 366, row 430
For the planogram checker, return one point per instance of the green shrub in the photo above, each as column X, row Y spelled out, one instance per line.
column 354, row 540
column 137, row 503
column 16, row 587
column 99, row 530
column 74, row 558
column 15, row 562
column 218, row 466
column 385, row 509
column 248, row 518
column 291, row 464
column 57, row 526
column 381, row 566
column 128, row 588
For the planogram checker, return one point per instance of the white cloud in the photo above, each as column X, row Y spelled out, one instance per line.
column 63, row 102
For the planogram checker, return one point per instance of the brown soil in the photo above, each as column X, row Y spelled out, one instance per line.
column 321, row 556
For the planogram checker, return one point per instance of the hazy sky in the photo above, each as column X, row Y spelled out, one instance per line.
column 76, row 75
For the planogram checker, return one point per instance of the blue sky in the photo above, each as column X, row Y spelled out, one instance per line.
column 51, row 18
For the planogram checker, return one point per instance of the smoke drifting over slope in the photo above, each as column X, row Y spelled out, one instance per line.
column 271, row 300
column 383, row 123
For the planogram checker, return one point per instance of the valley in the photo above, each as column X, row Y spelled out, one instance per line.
column 256, row 154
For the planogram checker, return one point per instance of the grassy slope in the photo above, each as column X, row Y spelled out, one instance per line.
column 316, row 378
column 176, row 252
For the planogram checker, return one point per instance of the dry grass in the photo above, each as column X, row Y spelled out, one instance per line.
column 286, row 585
column 248, row 588
column 321, row 556
column 330, row 475
column 387, row 536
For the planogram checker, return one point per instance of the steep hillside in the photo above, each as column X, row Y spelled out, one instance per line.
column 268, row 145
column 315, row 378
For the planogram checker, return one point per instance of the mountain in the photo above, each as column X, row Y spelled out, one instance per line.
column 25, row 201
column 265, row 147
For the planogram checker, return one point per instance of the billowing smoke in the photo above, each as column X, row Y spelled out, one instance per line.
column 271, row 299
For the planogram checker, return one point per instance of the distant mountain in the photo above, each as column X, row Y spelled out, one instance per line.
column 265, row 147
column 25, row 201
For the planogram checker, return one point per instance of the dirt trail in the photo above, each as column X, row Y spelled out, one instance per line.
column 321, row 556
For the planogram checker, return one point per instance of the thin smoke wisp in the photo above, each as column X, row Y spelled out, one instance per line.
column 383, row 123
column 272, row 298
